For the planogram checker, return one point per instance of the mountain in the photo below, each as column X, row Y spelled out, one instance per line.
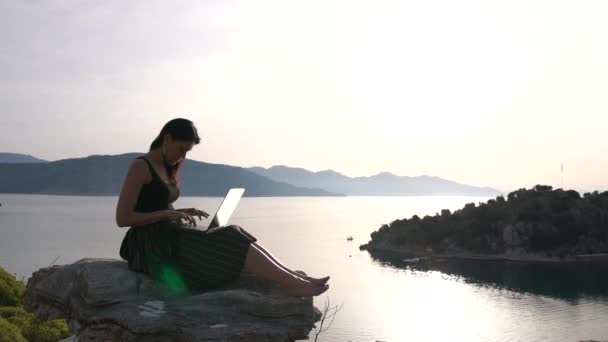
column 382, row 184
column 103, row 175
column 19, row 158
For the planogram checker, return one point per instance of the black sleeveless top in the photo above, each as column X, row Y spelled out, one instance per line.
column 156, row 195
column 143, row 246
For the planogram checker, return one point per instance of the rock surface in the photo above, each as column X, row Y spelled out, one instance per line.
column 104, row 301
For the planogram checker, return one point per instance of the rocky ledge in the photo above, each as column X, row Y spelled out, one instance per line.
column 104, row 301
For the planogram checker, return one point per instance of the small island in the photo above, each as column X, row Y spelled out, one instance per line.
column 533, row 225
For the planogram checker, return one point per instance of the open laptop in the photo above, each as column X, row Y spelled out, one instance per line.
column 226, row 208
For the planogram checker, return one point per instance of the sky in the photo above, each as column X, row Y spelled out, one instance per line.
column 488, row 93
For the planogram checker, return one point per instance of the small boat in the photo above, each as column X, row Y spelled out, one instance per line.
column 349, row 238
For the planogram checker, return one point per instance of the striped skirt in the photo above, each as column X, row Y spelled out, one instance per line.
column 187, row 259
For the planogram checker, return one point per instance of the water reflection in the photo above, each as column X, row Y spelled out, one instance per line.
column 567, row 281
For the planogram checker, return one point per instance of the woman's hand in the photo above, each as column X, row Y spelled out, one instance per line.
column 178, row 215
column 194, row 212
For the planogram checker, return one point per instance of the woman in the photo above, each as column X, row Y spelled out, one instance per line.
column 160, row 242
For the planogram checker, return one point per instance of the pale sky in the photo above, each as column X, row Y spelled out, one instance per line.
column 480, row 92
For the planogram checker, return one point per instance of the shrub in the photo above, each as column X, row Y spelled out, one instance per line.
column 9, row 332
column 46, row 331
column 33, row 329
column 11, row 291
column 16, row 324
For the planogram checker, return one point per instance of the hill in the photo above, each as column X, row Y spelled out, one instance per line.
column 103, row 175
column 382, row 184
column 539, row 224
column 6, row 157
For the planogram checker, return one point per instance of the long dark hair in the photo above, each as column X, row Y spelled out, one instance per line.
column 181, row 130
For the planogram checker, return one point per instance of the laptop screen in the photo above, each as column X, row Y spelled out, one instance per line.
column 227, row 207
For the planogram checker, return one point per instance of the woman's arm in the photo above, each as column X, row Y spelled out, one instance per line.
column 125, row 209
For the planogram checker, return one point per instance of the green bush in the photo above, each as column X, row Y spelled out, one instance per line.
column 16, row 324
column 33, row 329
column 11, row 291
column 9, row 332
column 46, row 331
column 7, row 312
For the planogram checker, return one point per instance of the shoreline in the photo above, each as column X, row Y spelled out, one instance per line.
column 485, row 257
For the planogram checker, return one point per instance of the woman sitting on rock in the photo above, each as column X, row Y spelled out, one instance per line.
column 160, row 242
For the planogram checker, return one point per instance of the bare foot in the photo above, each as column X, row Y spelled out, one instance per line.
column 318, row 281
column 307, row 289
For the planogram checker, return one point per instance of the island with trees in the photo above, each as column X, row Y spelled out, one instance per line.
column 539, row 224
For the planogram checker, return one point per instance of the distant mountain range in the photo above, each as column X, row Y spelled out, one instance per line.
column 19, row 158
column 382, row 184
column 103, row 175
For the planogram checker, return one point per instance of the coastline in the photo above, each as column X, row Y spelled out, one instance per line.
column 430, row 256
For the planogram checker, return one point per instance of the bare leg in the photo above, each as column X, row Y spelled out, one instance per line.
column 259, row 264
column 320, row 281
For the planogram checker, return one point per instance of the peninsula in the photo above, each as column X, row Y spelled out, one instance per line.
column 539, row 224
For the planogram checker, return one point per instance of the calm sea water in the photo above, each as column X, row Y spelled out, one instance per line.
column 383, row 299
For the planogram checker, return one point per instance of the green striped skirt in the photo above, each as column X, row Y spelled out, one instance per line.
column 187, row 259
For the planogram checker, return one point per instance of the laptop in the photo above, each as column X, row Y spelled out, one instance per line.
column 226, row 208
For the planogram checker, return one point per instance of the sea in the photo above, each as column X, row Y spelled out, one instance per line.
column 375, row 298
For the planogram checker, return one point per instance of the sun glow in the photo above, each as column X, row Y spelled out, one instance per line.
column 482, row 92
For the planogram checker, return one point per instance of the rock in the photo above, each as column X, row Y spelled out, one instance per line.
column 105, row 301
